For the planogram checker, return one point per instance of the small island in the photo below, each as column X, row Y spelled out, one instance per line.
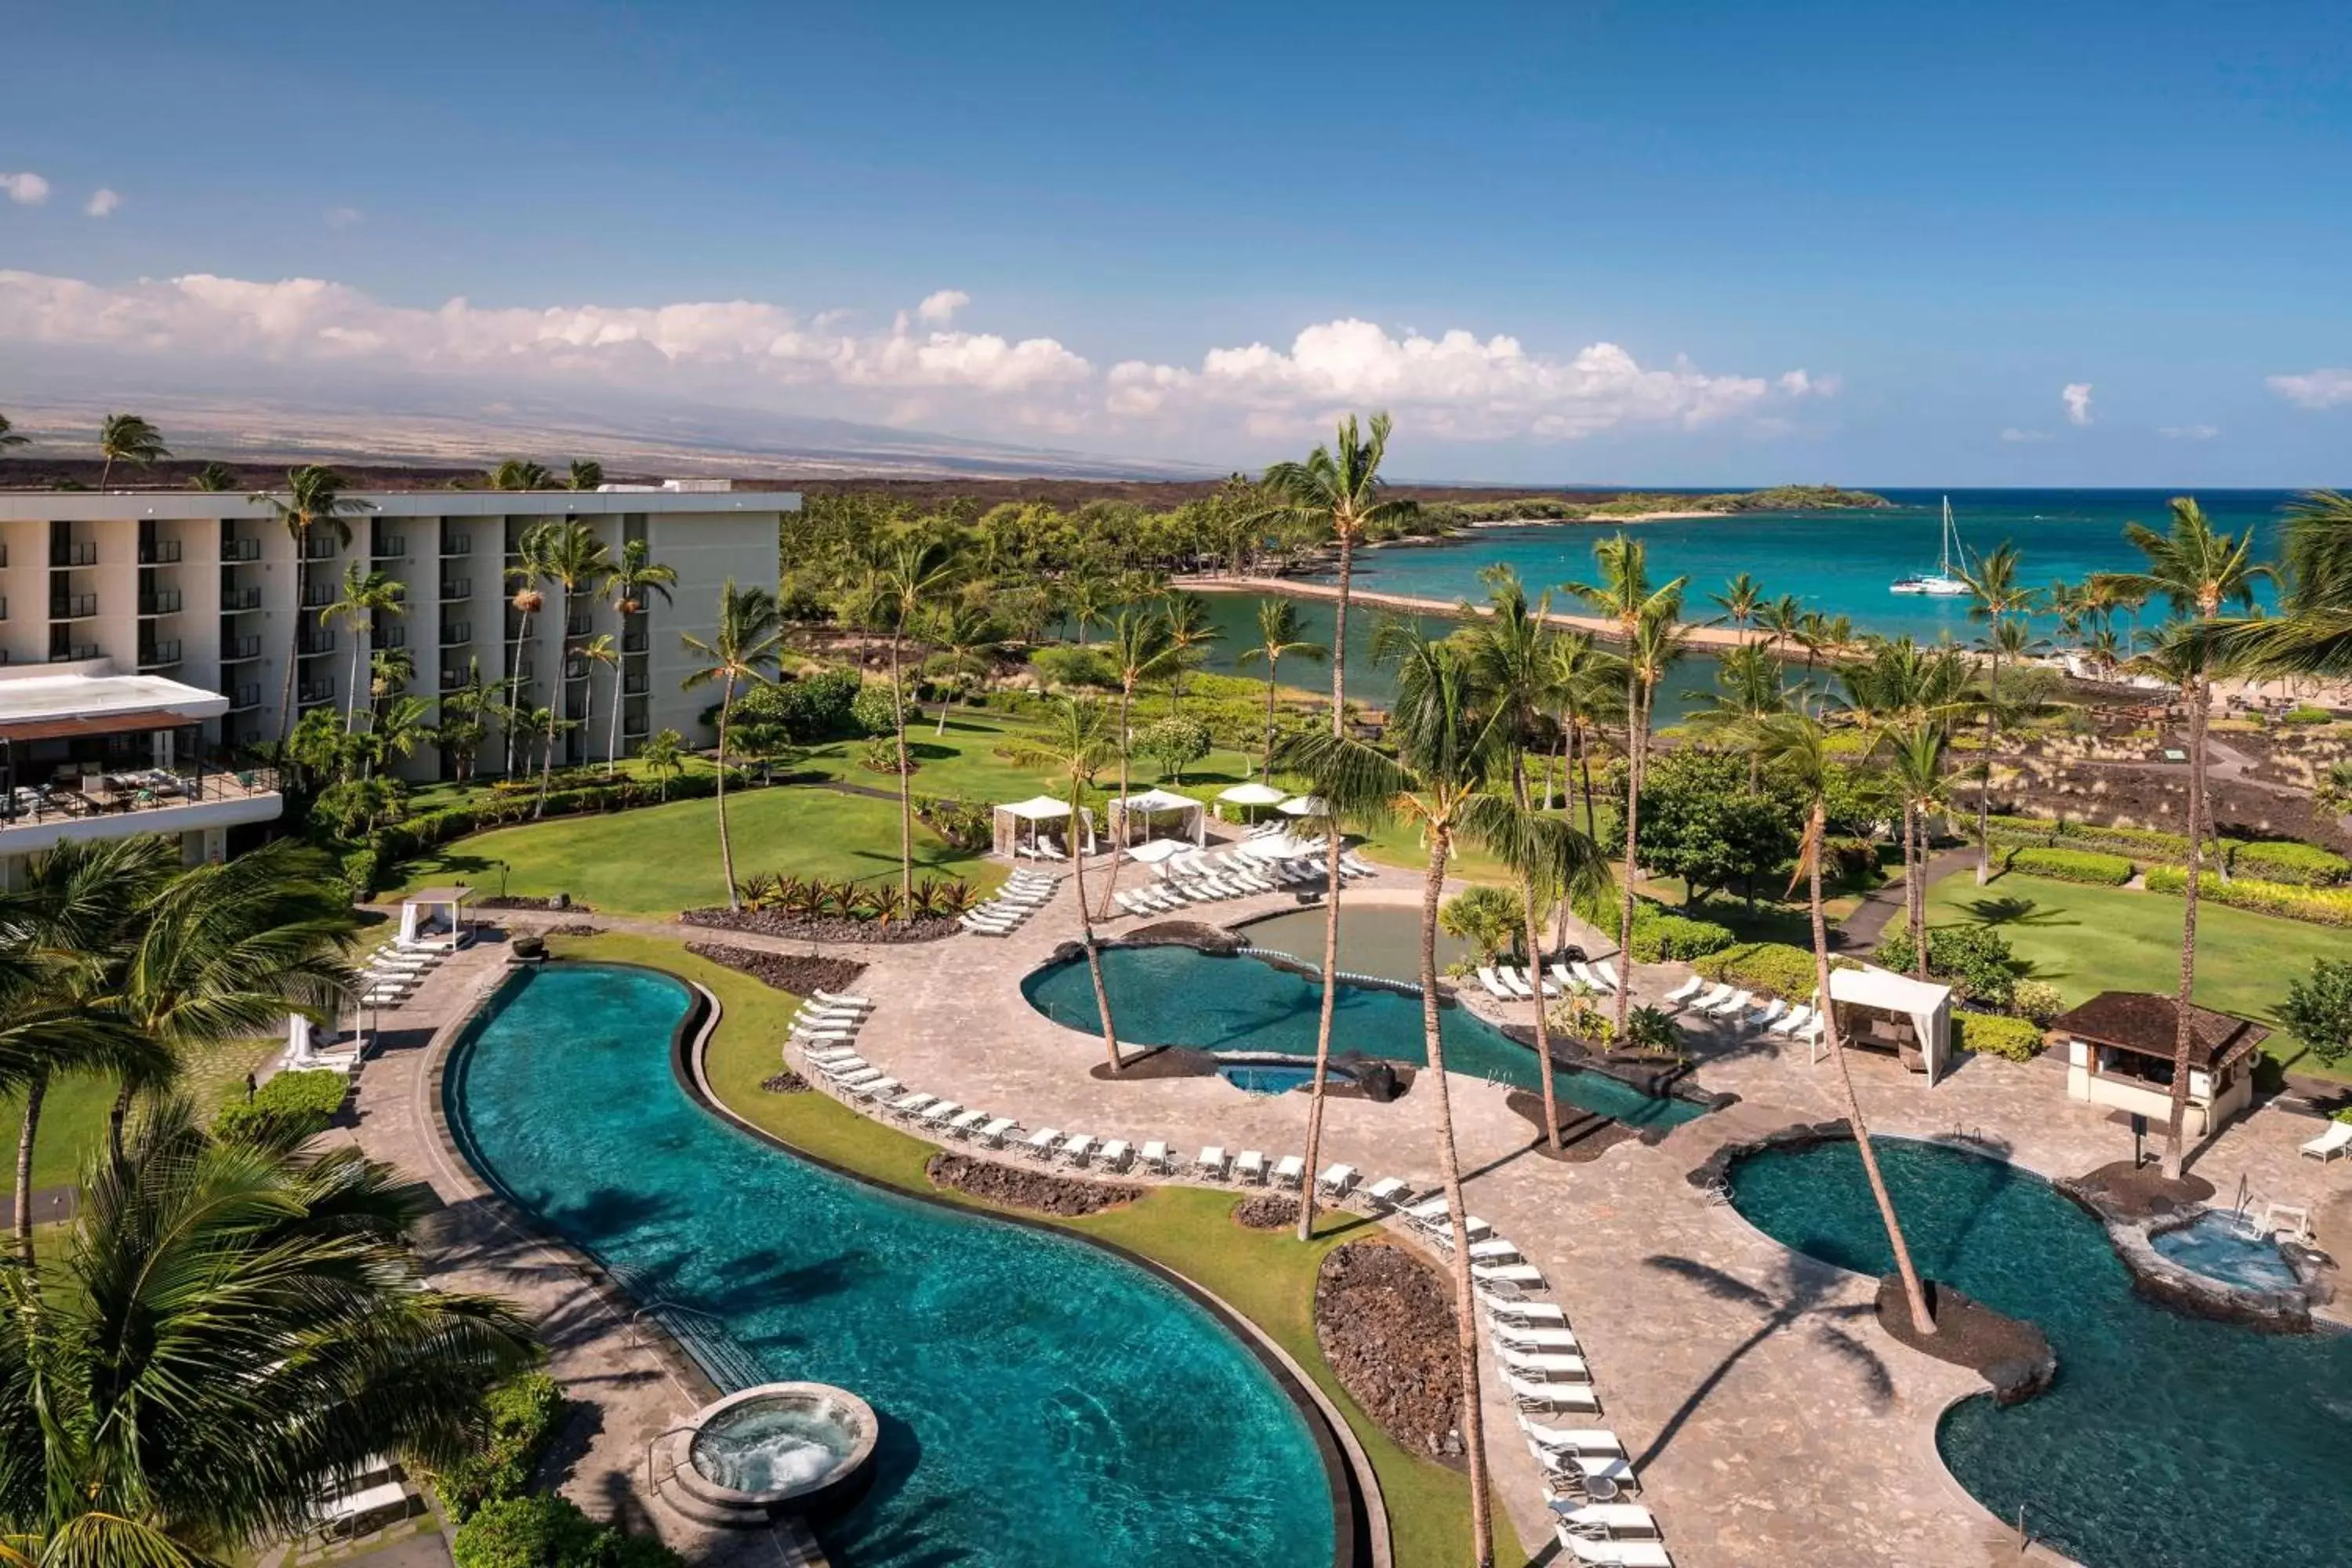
column 1639, row 506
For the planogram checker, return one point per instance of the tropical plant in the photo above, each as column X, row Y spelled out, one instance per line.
column 2312, row 633
column 1280, row 636
column 1994, row 594
column 2197, row 570
column 213, row 477
column 1794, row 745
column 741, row 651
column 1137, row 649
column 1914, row 772
column 664, row 755
column 573, row 559
column 128, row 438
column 585, row 473
column 1741, row 601
column 521, row 474
column 1075, row 746
column 232, row 1330
column 1588, row 686
column 1747, row 686
column 1189, row 632
column 1175, row 744
column 524, row 572
column 2319, row 1008
column 313, row 500
column 1453, row 746
column 463, row 721
column 901, row 580
column 8, row 437
column 603, row 649
column 968, row 639
column 1484, row 916
column 365, row 594
column 630, row 581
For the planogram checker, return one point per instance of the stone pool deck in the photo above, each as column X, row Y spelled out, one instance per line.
column 1768, row 1418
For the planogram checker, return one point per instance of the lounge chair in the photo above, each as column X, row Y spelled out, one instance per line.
column 1733, row 1005
column 1687, row 990
column 1526, row 1313
column 967, row 1123
column 1157, row 1157
column 1592, row 1552
column 1531, row 977
column 1131, row 902
column 1608, row 1518
column 1794, row 1019
column 980, row 925
column 1250, row 1167
column 1764, row 1017
column 1387, row 1193
column 1713, row 999
column 1584, row 972
column 941, row 1114
column 1212, row 1163
column 815, row 1012
column 1531, row 1394
column 1517, row 1275
column 1493, row 985
column 1039, row 1145
column 1290, row 1171
column 876, row 1089
column 1544, row 1365
column 819, row 1055
column 992, row 1135
column 1595, row 1440
column 1519, row 989
column 834, row 1066
column 1338, row 1180
column 1349, row 861
column 2337, row 1140
column 1495, row 1249
column 1075, row 1147
column 1608, row 974
column 1429, row 1211
column 912, row 1104
column 1113, row 1155
column 1524, row 1337
column 840, row 999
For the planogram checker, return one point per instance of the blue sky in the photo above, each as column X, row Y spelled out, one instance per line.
column 1942, row 216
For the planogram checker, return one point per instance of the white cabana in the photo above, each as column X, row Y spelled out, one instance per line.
column 1152, row 806
column 1022, row 827
column 436, row 918
column 1304, row 806
column 1249, row 796
column 1877, row 1007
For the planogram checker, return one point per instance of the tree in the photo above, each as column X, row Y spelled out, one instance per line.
column 313, row 500
column 664, row 755
column 574, row 559
column 599, row 649
column 465, row 719
column 521, row 474
column 2197, row 570
column 213, row 477
column 1175, row 744
column 2312, row 633
column 235, row 1327
column 741, row 651
column 526, row 571
column 1074, row 748
column 1995, row 595
column 968, row 637
column 400, row 726
column 1453, row 746
column 632, row 578
column 2320, row 1010
column 128, row 438
column 586, row 474
column 1747, row 688
column 365, row 594
column 546, row 726
column 8, row 437
column 1914, row 771
column 1337, row 492
column 1485, row 916
column 1741, row 599
column 1897, row 693
column 1189, row 633
column 901, row 582
column 1794, row 745
column 1699, row 825
column 1280, row 636
column 1137, row 649
column 1087, row 596
column 1588, row 684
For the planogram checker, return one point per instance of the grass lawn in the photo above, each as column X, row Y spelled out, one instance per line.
column 2087, row 940
column 1266, row 1276
column 74, row 1111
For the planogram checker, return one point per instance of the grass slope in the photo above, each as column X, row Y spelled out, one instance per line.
column 1268, row 1277
column 74, row 1111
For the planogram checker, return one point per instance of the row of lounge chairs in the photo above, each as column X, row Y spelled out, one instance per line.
column 1203, row 878
column 1743, row 1010
column 1023, row 895
column 392, row 976
column 1511, row 982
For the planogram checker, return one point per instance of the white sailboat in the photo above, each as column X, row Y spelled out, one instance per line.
column 1939, row 583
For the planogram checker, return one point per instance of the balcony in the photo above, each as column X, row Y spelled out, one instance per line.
column 310, row 644
column 236, row 601
column 163, row 602
column 389, row 637
column 634, row 684
column 82, row 554
column 310, row 693
column 389, row 547
column 160, row 656
column 72, row 607
column 318, row 595
column 456, row 634
column 235, row 550
column 456, row 545
column 239, row 650
column 635, row 726
column 632, row 642
column 321, row 547
column 456, row 588
column 451, row 679
column 81, row 805
column 577, row 627
column 160, row 552
column 244, row 698
column 72, row 653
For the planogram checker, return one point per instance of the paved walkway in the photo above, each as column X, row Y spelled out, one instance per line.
column 1885, row 903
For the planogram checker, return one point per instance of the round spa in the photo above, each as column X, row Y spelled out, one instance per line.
column 781, row 1447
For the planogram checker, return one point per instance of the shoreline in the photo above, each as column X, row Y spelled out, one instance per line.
column 1597, row 520
column 1607, row 630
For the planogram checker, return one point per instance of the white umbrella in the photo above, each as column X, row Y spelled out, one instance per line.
column 1304, row 806
column 1252, row 794
column 1152, row 851
column 1279, row 846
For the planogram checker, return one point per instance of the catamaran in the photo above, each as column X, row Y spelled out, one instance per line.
column 1940, row 581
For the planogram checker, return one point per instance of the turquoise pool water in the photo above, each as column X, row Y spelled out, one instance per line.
column 1182, row 996
column 1250, row 1078
column 2219, row 1245
column 1042, row 1402
column 2167, row 1442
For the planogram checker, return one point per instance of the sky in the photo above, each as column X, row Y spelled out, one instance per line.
column 2080, row 244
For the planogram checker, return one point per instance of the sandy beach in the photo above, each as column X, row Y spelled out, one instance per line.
column 1598, row 521
column 1700, row 637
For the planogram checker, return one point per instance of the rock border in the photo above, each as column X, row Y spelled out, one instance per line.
column 1384, row 1322
column 2176, row 1285
column 1039, row 1192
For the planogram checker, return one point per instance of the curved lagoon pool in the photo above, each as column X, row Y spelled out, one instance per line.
column 1041, row 1400
column 1181, row 996
column 2167, row 1442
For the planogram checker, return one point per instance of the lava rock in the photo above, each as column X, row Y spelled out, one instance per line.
column 1037, row 1191
column 1385, row 1322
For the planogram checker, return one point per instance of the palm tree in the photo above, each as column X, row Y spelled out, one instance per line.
column 8, row 437
column 1189, row 631
column 1741, row 600
column 366, row 593
column 1995, row 595
column 1139, row 649
column 1086, row 595
column 1781, row 620
column 1452, row 747
column 630, row 582
column 1749, row 686
column 464, row 720
column 905, row 575
column 602, row 648
column 545, row 725
column 741, row 651
column 521, row 474
column 313, row 500
column 390, row 670
column 213, row 477
column 234, row 1328
column 1647, row 616
column 1075, row 747
column 968, row 637
column 128, row 438
column 1915, row 769
column 2197, row 570
column 1588, row 684
column 575, row 560
column 1897, row 695
column 664, row 755
column 400, row 726
column 2312, row 633
column 1280, row 636
column 1795, row 744
column 526, row 571
column 586, row 474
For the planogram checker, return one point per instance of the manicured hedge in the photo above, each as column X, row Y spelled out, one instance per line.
column 1773, row 968
column 2320, row 906
column 2019, row 1039
column 2088, row 865
column 1660, row 938
column 547, row 1530
column 305, row 1099
column 2285, row 860
column 524, row 1413
column 2306, row 714
column 2275, row 860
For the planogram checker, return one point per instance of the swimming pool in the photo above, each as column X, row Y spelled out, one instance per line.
column 1041, row 1400
column 1270, row 1077
column 2168, row 1441
column 1176, row 995
column 1374, row 939
column 2222, row 1246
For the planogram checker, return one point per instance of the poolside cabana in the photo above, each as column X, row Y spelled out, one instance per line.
column 1153, row 806
column 2120, row 1048
column 1248, row 797
column 1021, row 824
column 436, row 918
column 1879, row 1009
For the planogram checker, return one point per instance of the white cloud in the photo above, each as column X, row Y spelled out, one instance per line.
column 103, row 202
column 2189, row 432
column 26, row 189
column 2014, row 434
column 343, row 217
column 1797, row 384
column 939, row 308
column 2077, row 396
column 2322, row 388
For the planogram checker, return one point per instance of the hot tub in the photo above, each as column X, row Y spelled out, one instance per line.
column 781, row 1447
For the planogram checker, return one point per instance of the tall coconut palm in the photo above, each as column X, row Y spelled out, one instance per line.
column 1139, row 649
column 1588, row 684
column 1749, row 686
column 1280, row 636
column 402, row 723
column 631, row 583
column 525, row 573
column 901, row 582
column 521, row 474
column 1075, row 747
column 1795, row 744
column 603, row 649
column 1453, row 749
column 1897, row 693
column 1741, row 601
column 1647, row 615
column 366, row 594
column 1087, row 594
column 2312, row 633
column 213, row 477
column 1914, row 772
column 2197, row 570
column 465, row 719
column 968, row 637
column 1780, row 620
column 232, row 1330
column 1994, row 594
column 1189, row 632
column 585, row 473
column 313, row 502
column 128, row 438
column 575, row 561
column 741, row 652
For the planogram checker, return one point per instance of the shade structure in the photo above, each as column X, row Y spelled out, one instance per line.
column 1251, row 793
column 1304, row 806
column 1925, row 1005
column 1152, row 851
column 1127, row 810
column 1280, row 846
column 1022, row 826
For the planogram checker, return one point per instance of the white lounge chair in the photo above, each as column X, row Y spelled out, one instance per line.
column 1733, row 1005
column 1594, row 1440
column 1131, row 902
column 841, row 999
column 1338, row 1180
column 992, row 1135
column 1486, row 977
column 1526, row 1313
column 1533, row 1394
column 1157, row 1157
column 967, row 1123
column 2337, row 1140
column 1563, row 977
column 1531, row 977
column 1495, row 1249
column 912, row 1104
column 1290, row 1171
column 1544, row 1365
column 1519, row 989
column 1517, row 1275
column 1687, row 990
column 1387, row 1193
column 1113, row 1155
column 1608, row 974
column 1609, row 1519
column 1771, row 1012
column 834, row 1066
column 876, row 1089
column 1584, row 972
column 1591, row 1551
column 1039, row 1145
column 819, row 1055
column 1075, row 1147
column 1794, row 1019
column 940, row 1114
column 1713, row 999
column 1212, row 1163
column 1521, row 1336
column 1250, row 1167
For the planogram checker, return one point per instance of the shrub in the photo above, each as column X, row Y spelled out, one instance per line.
column 2276, row 860
column 2286, row 861
column 819, row 707
column 548, row 1530
column 963, row 825
column 2306, row 714
column 1663, row 938
column 880, row 755
column 1175, row 743
column 305, row 1099
column 2019, row 1039
column 524, row 1413
column 2037, row 1000
column 2320, row 906
column 1773, row 968
column 872, row 712
column 2087, row 866
column 1066, row 664
column 1973, row 960
column 1490, row 919
column 2319, row 1008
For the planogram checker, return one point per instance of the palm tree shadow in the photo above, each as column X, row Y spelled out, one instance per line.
column 2016, row 912
column 1802, row 1291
